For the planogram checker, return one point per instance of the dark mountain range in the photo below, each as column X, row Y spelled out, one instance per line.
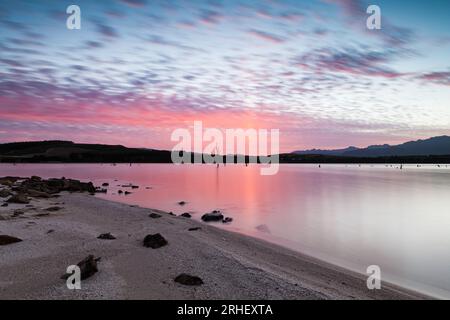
column 335, row 152
column 435, row 146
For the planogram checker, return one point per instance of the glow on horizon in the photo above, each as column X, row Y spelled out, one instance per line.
column 139, row 69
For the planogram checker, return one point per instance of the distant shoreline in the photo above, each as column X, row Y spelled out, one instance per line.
column 70, row 152
column 284, row 159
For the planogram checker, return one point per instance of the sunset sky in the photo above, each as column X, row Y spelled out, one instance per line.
column 138, row 69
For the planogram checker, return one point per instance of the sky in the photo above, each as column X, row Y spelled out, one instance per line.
column 139, row 69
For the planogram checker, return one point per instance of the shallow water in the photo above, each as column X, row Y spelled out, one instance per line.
column 350, row 215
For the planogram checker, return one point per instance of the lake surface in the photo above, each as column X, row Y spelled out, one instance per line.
column 350, row 215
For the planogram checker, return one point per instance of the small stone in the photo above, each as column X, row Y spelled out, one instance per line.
column 106, row 236
column 4, row 204
column 188, row 280
column 194, row 229
column 44, row 214
column 106, row 184
column 120, row 192
column 154, row 241
column 186, row 215
column 154, row 215
column 53, row 209
column 182, row 203
column 227, row 220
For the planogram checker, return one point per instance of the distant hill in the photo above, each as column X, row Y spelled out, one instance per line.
column 68, row 151
column 435, row 146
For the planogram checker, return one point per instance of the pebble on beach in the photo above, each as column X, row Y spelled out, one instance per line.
column 188, row 280
column 106, row 236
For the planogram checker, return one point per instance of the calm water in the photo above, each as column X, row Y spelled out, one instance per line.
column 348, row 215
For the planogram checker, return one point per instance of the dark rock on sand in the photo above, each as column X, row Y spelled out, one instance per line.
column 88, row 267
column 120, row 192
column 106, row 184
column 154, row 215
column 43, row 214
column 227, row 220
column 101, row 190
column 134, row 187
column 188, row 280
column 4, row 205
column 5, row 240
column 106, row 236
column 54, row 208
column 128, row 192
column 19, row 198
column 213, row 216
column 194, row 229
column 186, row 215
column 154, row 241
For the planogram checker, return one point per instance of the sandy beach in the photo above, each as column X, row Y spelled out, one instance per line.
column 232, row 266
